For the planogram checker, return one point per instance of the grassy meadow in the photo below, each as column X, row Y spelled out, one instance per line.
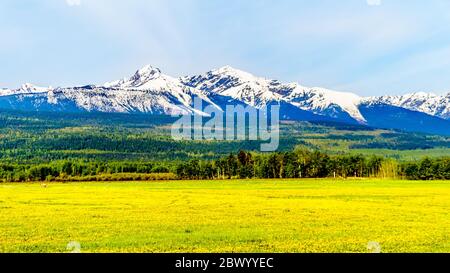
column 227, row 216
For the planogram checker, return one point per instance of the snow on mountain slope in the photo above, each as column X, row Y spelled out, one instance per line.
column 428, row 103
column 147, row 91
column 258, row 92
column 320, row 100
column 124, row 101
column 146, row 78
column 5, row 92
column 24, row 89
column 150, row 91
column 237, row 84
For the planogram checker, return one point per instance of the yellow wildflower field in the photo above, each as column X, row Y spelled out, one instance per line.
column 227, row 216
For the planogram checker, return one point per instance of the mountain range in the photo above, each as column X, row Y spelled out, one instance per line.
column 150, row 91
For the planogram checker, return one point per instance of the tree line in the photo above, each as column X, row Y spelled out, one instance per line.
column 79, row 170
column 300, row 163
column 312, row 164
column 427, row 169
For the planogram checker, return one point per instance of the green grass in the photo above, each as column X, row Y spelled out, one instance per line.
column 227, row 216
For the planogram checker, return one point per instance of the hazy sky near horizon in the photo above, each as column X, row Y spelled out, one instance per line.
column 370, row 47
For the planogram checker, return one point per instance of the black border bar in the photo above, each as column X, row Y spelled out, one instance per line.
column 223, row 262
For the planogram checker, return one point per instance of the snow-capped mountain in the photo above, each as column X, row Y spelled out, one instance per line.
column 27, row 88
column 428, row 103
column 5, row 92
column 147, row 91
column 150, row 91
column 259, row 92
column 147, row 77
column 236, row 84
column 320, row 100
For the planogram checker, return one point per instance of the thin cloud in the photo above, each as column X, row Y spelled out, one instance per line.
column 73, row 3
column 374, row 2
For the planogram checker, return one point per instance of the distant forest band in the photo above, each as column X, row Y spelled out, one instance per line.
column 300, row 163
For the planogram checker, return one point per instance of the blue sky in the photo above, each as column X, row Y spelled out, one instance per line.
column 369, row 47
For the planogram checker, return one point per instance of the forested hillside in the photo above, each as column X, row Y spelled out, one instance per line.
column 43, row 146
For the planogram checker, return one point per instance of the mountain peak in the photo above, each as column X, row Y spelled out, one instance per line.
column 147, row 72
column 420, row 95
column 428, row 103
column 140, row 78
column 26, row 88
column 227, row 68
column 234, row 72
column 31, row 88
